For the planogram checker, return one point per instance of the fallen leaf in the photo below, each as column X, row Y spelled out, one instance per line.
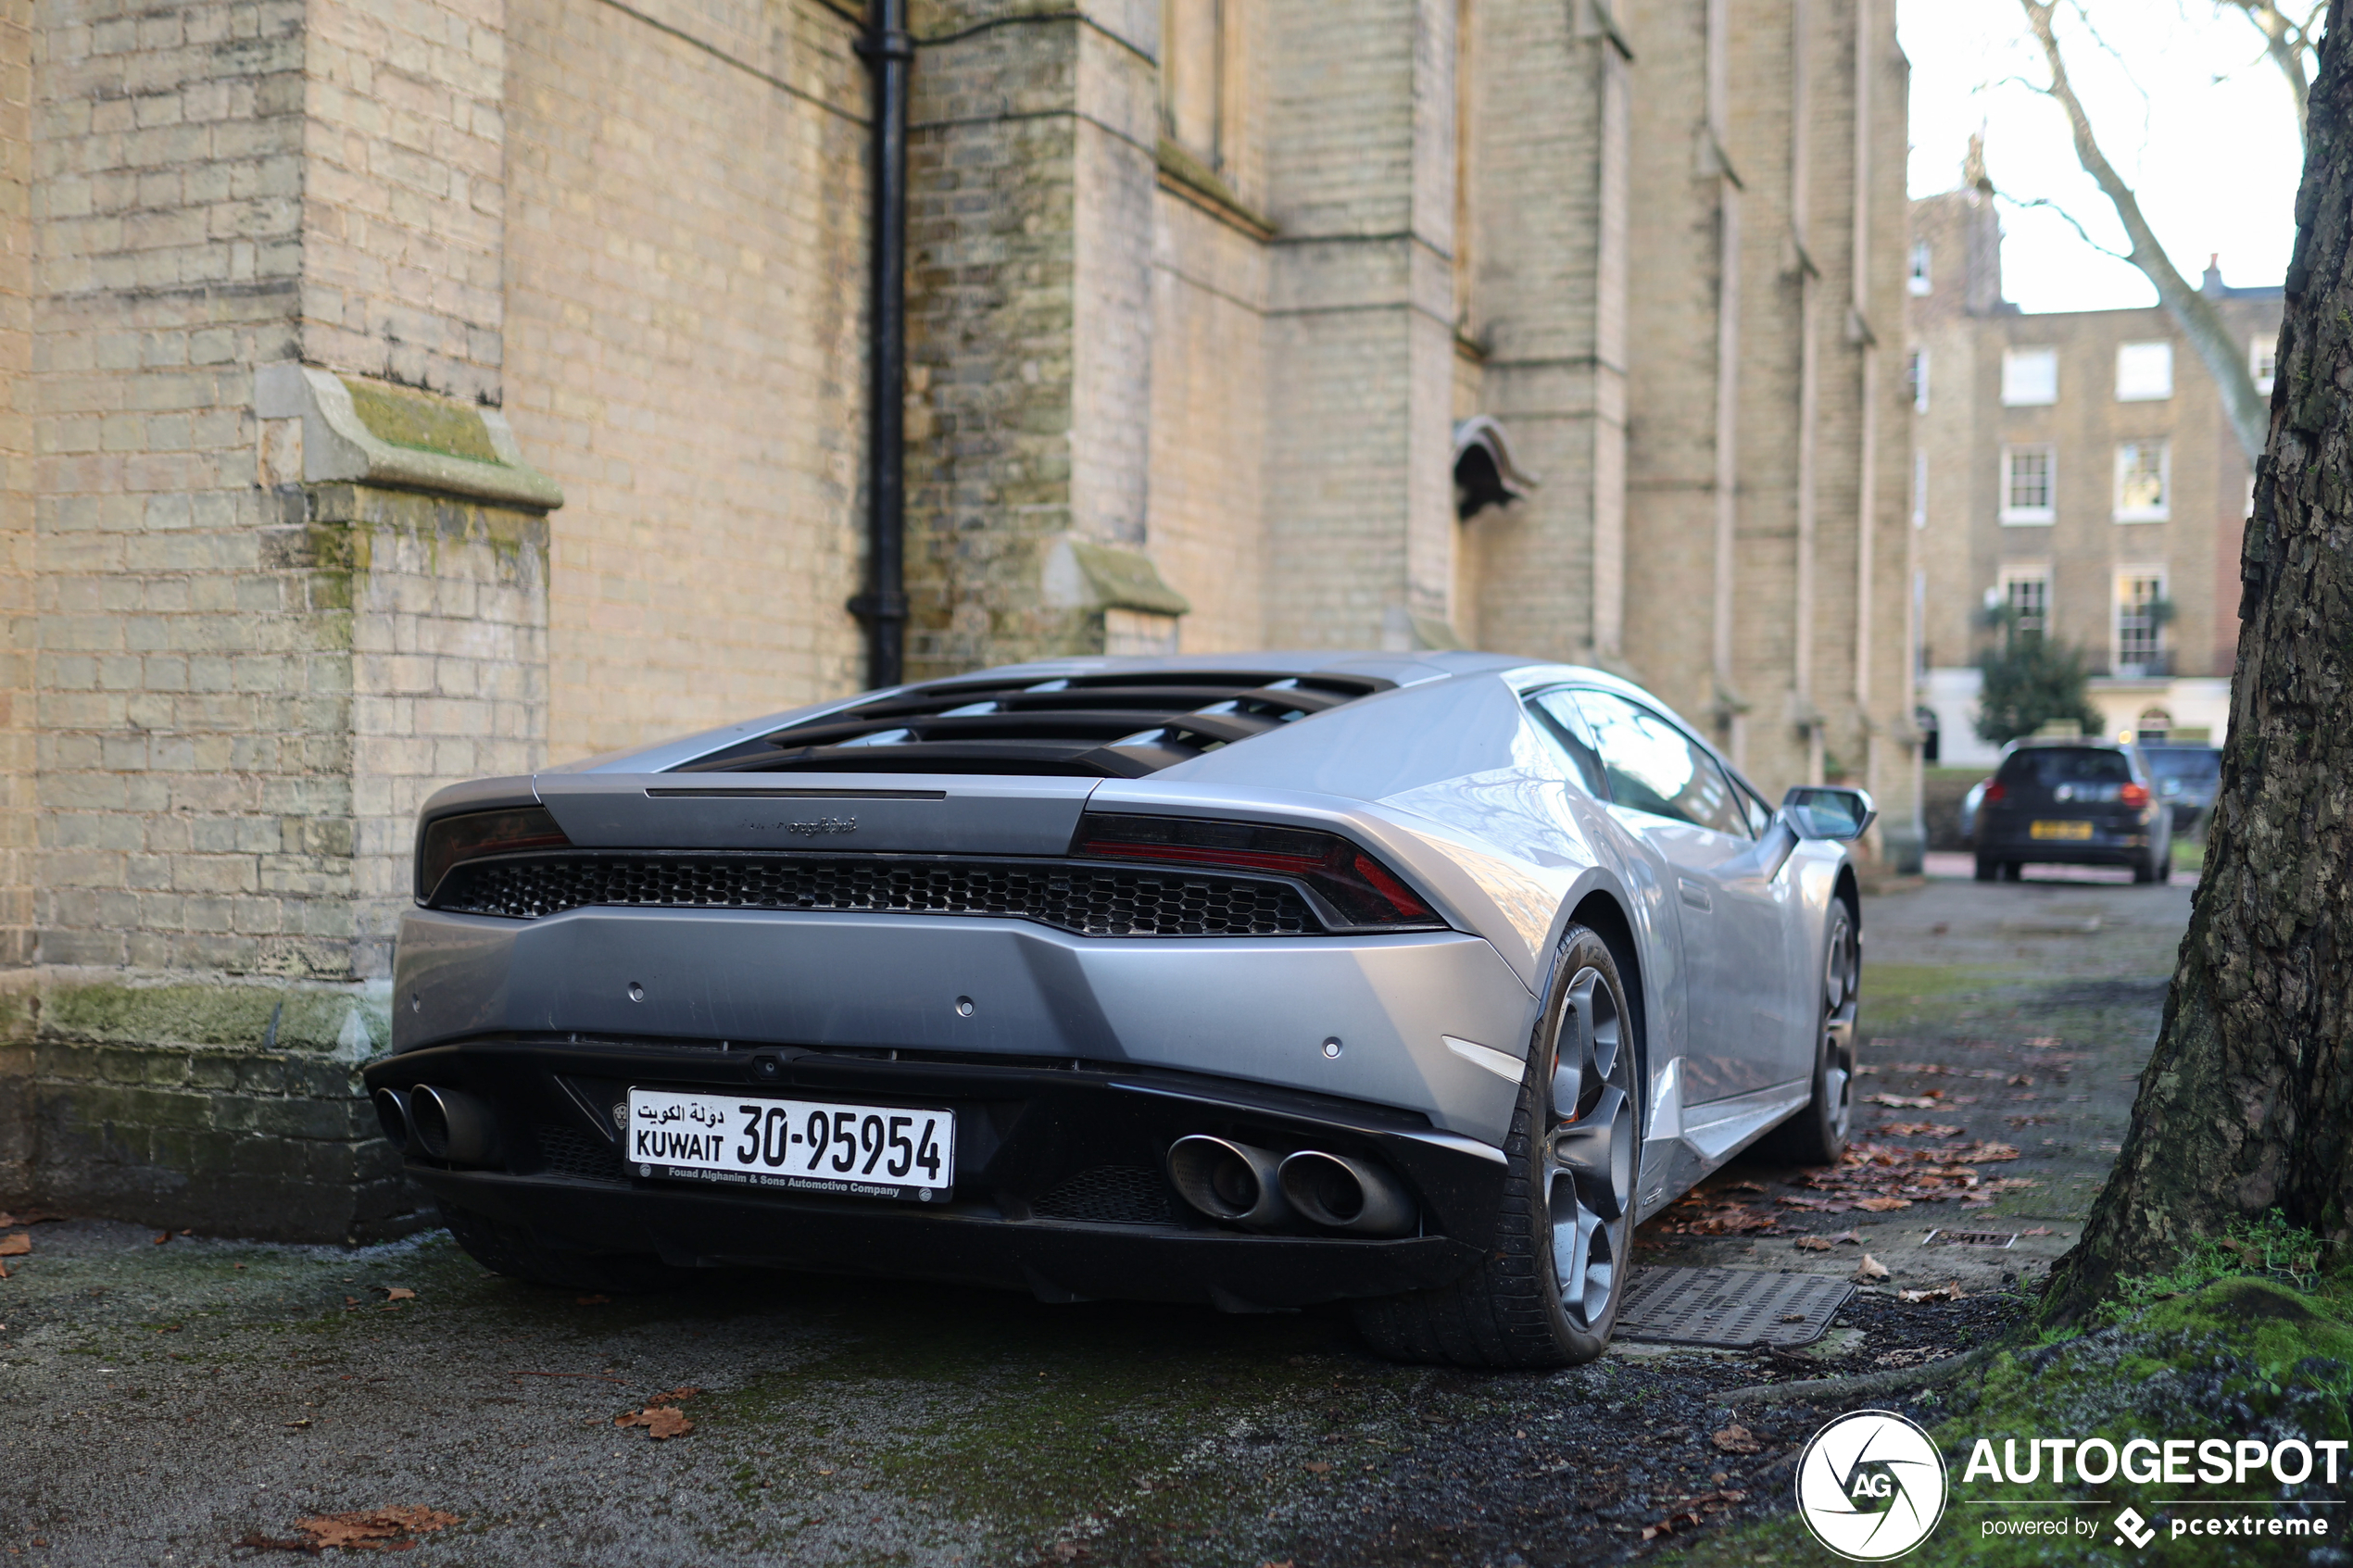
column 397, row 1293
column 1985, row 1154
column 16, row 1246
column 1735, row 1440
column 162, row 1237
column 1870, row 1268
column 1920, row 1130
column 4, row 1271
column 2038, row 1230
column 304, row 1421
column 30, row 1217
column 1815, row 1243
column 1949, row 1291
column 1793, row 1317
column 661, row 1422
column 381, row 1529
column 1882, row 1205
column 1908, row 1102
column 1318, row 1467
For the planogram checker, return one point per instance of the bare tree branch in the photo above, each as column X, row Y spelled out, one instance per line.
column 2191, row 310
column 2072, row 222
column 2287, row 42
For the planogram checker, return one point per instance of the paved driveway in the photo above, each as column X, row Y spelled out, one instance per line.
column 161, row 1403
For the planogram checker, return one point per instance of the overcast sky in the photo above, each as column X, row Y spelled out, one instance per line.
column 2184, row 103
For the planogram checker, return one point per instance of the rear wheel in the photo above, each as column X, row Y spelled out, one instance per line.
column 2011, row 870
column 1546, row 1294
column 1988, row 868
column 513, row 1251
column 1817, row 1136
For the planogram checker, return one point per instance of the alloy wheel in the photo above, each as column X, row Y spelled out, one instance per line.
column 1842, row 991
column 1589, row 1168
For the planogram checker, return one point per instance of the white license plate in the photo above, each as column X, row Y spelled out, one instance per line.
column 794, row 1144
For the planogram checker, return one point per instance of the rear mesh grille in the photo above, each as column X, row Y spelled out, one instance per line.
column 1090, row 901
column 568, row 1152
column 1110, row 1195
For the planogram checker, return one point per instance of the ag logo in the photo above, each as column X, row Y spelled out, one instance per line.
column 1870, row 1485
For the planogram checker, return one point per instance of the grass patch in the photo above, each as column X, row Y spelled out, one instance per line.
column 2189, row 854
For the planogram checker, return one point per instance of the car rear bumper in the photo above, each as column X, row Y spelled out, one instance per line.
column 2107, row 846
column 1060, row 1187
column 1361, row 1019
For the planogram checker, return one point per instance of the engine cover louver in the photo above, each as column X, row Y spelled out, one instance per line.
column 1123, row 725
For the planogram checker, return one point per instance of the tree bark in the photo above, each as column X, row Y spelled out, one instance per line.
column 2225, row 358
column 2246, row 1104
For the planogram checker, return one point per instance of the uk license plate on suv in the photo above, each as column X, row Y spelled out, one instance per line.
column 793, row 1145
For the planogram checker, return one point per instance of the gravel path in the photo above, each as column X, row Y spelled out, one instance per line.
column 160, row 1403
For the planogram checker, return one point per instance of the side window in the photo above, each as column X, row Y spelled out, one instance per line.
column 1653, row 767
column 1760, row 816
column 1567, row 726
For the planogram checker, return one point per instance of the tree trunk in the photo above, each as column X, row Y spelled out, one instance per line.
column 2247, row 1101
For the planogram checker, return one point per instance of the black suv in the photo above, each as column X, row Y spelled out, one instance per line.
column 2073, row 803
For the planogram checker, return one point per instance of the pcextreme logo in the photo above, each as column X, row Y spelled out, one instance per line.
column 1870, row 1485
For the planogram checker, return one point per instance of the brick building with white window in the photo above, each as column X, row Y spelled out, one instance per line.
column 2076, row 469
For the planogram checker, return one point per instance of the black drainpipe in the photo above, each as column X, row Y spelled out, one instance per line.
column 883, row 606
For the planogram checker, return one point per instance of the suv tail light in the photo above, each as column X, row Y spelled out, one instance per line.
column 1995, row 793
column 2135, row 795
column 447, row 842
column 1364, row 892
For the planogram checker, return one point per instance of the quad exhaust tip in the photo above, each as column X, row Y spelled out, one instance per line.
column 453, row 1125
column 1340, row 1194
column 1235, row 1182
column 1245, row 1184
column 392, row 1114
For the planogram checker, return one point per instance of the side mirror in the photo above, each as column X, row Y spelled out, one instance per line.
column 1827, row 812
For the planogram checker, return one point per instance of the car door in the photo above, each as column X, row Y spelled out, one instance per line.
column 1667, row 787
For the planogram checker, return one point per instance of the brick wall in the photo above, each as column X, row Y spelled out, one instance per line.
column 685, row 337
column 402, row 204
column 1032, row 152
column 1360, row 528
column 17, row 280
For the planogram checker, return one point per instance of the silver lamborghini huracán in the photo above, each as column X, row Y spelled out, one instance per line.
column 1411, row 980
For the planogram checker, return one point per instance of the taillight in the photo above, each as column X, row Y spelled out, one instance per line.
column 448, row 841
column 1994, row 793
column 2134, row 795
column 1360, row 888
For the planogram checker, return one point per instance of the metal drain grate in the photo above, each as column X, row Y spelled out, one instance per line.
column 1970, row 1239
column 1731, row 1308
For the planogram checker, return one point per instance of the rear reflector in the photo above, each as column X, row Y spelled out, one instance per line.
column 1364, row 892
column 447, row 841
column 2134, row 795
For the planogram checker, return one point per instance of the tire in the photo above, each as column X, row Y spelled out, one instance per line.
column 1567, row 1207
column 510, row 1250
column 2165, row 867
column 1988, row 868
column 2012, row 869
column 1817, row 1135
column 2144, row 871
